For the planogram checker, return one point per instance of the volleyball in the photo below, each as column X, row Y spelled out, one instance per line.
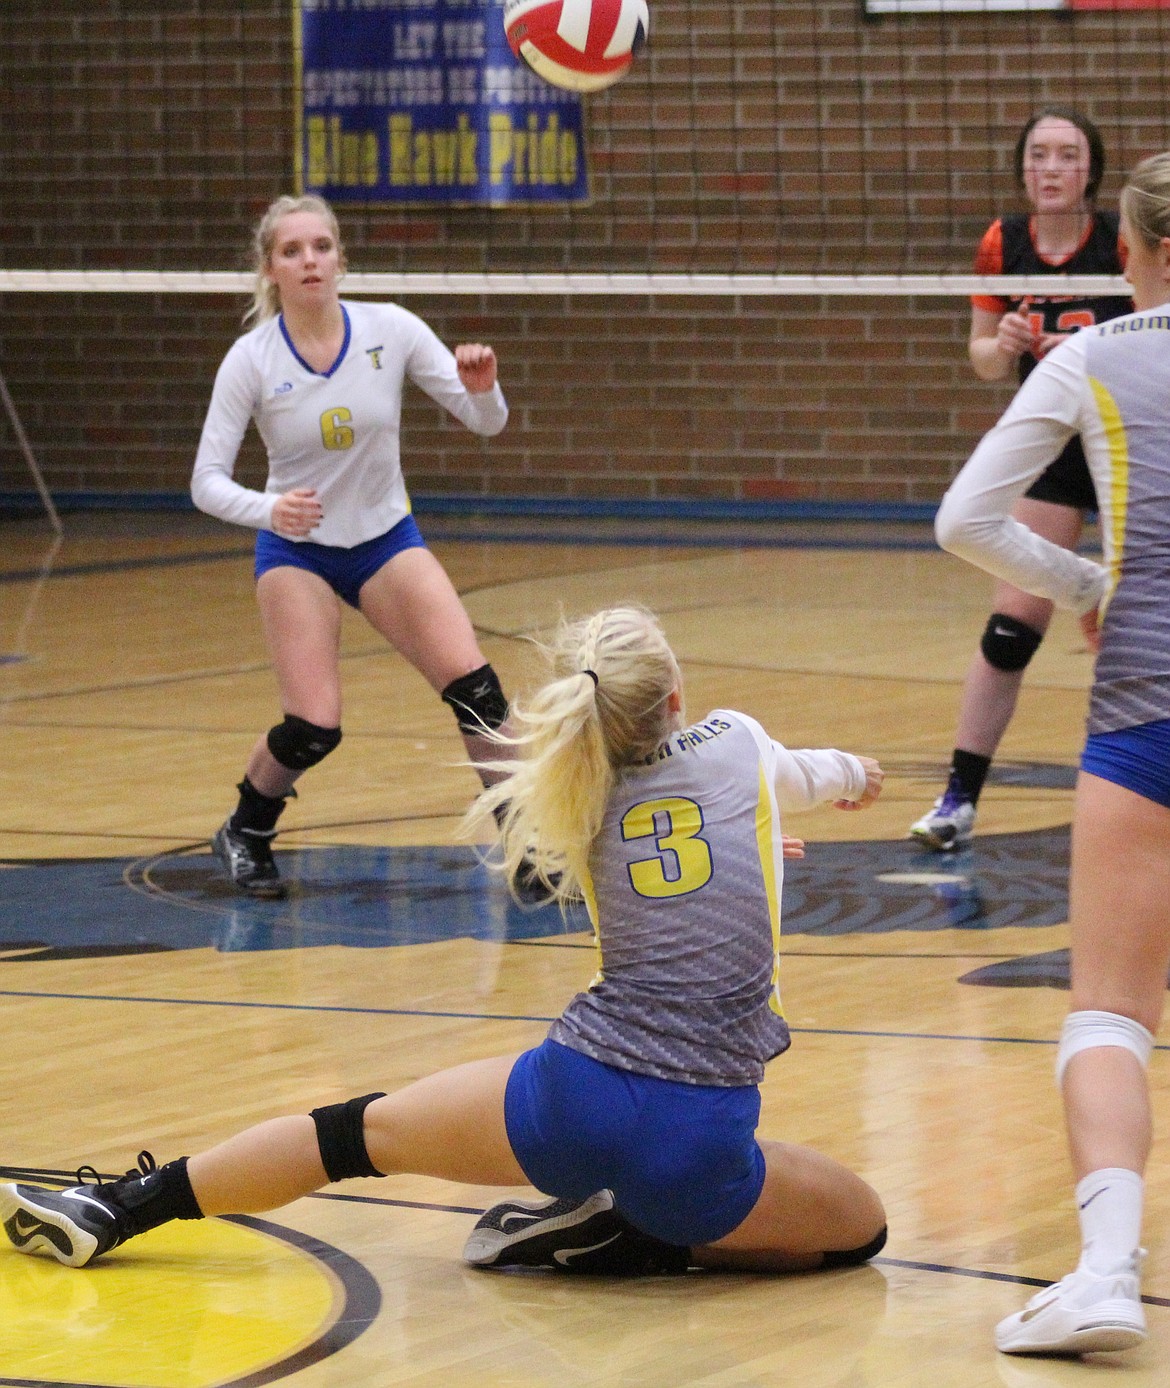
column 582, row 45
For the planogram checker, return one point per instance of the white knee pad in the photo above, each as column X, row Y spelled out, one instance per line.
column 1083, row 1031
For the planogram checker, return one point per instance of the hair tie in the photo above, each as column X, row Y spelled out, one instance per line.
column 593, row 676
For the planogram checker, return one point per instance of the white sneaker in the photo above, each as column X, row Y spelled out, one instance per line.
column 1081, row 1313
column 947, row 825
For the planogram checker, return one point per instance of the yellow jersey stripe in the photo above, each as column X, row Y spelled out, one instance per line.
column 766, row 846
column 1119, row 479
column 591, row 906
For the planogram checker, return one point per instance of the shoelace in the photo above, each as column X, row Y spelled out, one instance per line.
column 90, row 1176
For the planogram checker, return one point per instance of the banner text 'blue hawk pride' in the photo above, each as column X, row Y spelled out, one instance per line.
column 422, row 102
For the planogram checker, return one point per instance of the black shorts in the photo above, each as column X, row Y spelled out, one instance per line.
column 1067, row 481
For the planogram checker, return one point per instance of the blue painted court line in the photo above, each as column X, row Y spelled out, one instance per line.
column 665, row 539
column 560, row 507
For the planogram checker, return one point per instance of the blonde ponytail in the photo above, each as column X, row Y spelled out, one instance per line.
column 607, row 706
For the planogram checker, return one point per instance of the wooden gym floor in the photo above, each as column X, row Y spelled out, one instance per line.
column 145, row 1006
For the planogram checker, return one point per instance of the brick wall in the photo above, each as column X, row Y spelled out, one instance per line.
column 783, row 136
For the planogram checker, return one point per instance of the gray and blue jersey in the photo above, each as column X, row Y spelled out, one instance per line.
column 1110, row 384
column 684, row 895
column 1128, row 365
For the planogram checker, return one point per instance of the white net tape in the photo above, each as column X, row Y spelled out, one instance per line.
column 212, row 282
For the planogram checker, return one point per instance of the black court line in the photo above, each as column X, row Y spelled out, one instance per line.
column 113, row 566
column 794, row 953
column 985, row 1276
column 55, row 1176
column 182, row 677
column 397, row 1204
column 502, row 1017
column 290, row 836
column 911, row 1264
column 362, row 1302
column 463, row 535
column 884, row 1262
column 662, row 539
column 108, row 725
column 278, row 1006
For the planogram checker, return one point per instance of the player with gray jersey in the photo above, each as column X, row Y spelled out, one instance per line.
column 1112, row 384
column 688, row 983
column 637, row 1114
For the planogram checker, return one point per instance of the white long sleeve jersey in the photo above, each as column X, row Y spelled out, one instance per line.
column 335, row 431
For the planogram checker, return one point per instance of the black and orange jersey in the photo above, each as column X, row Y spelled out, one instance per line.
column 1009, row 248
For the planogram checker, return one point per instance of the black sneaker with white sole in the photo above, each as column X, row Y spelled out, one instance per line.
column 575, row 1236
column 73, row 1225
column 247, row 856
column 77, row 1224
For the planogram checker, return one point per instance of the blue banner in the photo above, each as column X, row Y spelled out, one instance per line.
column 423, row 102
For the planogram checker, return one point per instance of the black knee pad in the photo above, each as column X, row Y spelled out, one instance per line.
column 1008, row 643
column 341, row 1138
column 854, row 1257
column 298, row 744
column 477, row 700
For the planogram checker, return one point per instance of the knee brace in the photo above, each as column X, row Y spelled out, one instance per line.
column 298, row 744
column 1007, row 643
column 477, row 700
column 1084, row 1031
column 854, row 1257
column 342, row 1140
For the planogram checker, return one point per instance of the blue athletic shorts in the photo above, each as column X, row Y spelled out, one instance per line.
column 345, row 570
column 1136, row 758
column 682, row 1160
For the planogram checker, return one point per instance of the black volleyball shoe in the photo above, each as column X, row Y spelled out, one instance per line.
column 74, row 1225
column 575, row 1236
column 247, row 856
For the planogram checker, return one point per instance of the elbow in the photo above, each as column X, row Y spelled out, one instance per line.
column 953, row 533
column 946, row 529
column 199, row 493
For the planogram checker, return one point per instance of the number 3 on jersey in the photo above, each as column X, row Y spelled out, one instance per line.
column 682, row 860
column 335, row 430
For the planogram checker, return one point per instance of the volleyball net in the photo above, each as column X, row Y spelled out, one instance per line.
column 757, row 150
column 809, row 138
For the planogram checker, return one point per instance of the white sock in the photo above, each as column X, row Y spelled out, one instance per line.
column 1109, row 1203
